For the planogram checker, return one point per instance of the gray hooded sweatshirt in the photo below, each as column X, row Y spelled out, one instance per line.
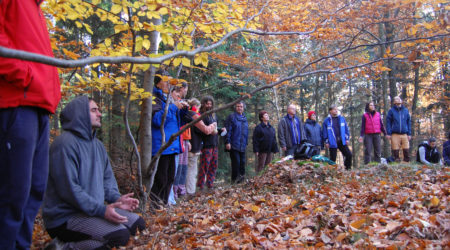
column 80, row 178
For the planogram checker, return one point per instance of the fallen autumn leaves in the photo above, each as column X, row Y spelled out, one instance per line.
column 300, row 204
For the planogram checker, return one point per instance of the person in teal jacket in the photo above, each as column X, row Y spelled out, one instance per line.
column 82, row 205
column 336, row 136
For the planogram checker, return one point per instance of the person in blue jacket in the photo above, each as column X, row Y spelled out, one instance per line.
column 336, row 136
column 165, row 173
column 236, row 141
column 398, row 128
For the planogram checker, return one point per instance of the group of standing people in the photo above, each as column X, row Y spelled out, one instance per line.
column 178, row 172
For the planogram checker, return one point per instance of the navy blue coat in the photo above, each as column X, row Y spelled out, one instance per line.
column 398, row 121
column 264, row 140
column 313, row 132
column 237, row 132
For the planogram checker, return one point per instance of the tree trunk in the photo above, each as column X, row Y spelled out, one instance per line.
column 384, row 84
column 277, row 107
column 389, row 36
column 302, row 102
column 145, row 123
column 353, row 127
column 116, row 130
column 414, row 105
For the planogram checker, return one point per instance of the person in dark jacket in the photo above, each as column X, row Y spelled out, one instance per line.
column 427, row 152
column 336, row 135
column 236, row 141
column 29, row 92
column 313, row 131
column 264, row 141
column 197, row 132
column 371, row 129
column 398, row 129
column 210, row 151
column 290, row 131
column 165, row 173
column 446, row 150
column 81, row 181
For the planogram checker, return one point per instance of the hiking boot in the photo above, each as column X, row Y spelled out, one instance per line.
column 406, row 155
column 396, row 154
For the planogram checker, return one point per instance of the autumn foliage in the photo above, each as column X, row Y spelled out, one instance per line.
column 300, row 204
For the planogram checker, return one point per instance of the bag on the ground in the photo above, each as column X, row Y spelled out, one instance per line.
column 305, row 151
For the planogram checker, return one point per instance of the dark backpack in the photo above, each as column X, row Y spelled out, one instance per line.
column 305, row 151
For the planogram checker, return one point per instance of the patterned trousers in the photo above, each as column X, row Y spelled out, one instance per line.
column 86, row 232
column 208, row 167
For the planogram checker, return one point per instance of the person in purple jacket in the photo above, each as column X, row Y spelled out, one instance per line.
column 371, row 129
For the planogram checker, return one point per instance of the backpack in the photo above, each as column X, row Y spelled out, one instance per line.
column 305, row 151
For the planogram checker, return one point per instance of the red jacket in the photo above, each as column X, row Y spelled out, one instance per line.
column 23, row 83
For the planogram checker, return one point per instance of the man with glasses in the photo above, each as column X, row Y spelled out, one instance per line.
column 398, row 127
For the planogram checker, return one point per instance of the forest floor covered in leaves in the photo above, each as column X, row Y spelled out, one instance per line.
column 297, row 204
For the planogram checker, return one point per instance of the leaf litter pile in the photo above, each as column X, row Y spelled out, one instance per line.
column 304, row 204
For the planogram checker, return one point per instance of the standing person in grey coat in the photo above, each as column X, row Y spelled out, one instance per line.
column 313, row 131
column 82, row 205
column 290, row 131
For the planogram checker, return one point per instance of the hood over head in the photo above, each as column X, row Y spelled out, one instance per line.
column 75, row 117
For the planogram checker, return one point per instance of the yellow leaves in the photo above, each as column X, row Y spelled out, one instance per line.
column 88, row 28
column 434, row 201
column 146, row 44
column 115, row 9
column 95, row 2
column 108, row 42
column 153, row 14
column 120, row 27
column 163, row 11
column 201, row 59
column 382, row 68
column 185, row 61
column 167, row 39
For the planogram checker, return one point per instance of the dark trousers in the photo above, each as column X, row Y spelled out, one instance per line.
column 345, row 152
column 372, row 141
column 164, row 177
column 237, row 165
column 24, row 135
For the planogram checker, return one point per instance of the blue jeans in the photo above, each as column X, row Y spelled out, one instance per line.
column 24, row 139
